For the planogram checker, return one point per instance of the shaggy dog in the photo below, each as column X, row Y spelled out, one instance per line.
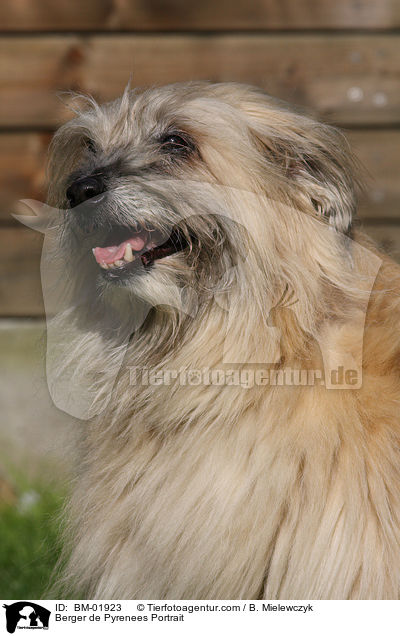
column 210, row 227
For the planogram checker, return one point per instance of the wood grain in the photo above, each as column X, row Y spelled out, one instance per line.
column 23, row 158
column 387, row 237
column 178, row 15
column 20, row 287
column 22, row 169
column 379, row 153
column 345, row 79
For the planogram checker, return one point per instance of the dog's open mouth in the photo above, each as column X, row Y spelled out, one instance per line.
column 124, row 249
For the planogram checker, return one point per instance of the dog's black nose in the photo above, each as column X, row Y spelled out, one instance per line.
column 83, row 189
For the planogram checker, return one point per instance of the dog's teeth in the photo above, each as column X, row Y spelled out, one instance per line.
column 104, row 265
column 118, row 263
column 128, row 255
column 111, row 265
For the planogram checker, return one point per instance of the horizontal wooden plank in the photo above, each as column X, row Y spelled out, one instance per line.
column 20, row 249
column 177, row 15
column 23, row 158
column 379, row 154
column 22, row 169
column 20, row 287
column 345, row 79
column 387, row 238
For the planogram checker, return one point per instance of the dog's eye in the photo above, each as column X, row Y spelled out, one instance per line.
column 90, row 145
column 174, row 143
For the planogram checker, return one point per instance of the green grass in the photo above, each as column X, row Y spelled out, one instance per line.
column 29, row 541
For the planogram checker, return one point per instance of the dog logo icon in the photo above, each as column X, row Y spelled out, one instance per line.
column 26, row 615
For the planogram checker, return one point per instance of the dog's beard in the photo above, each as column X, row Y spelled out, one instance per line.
column 153, row 244
column 97, row 311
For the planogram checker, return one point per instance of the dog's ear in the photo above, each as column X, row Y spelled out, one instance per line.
column 313, row 158
column 326, row 175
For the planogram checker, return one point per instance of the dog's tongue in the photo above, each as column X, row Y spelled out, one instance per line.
column 116, row 252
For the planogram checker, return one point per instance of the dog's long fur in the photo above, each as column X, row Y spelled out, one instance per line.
column 280, row 492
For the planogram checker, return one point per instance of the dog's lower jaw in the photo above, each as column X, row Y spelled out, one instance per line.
column 214, row 494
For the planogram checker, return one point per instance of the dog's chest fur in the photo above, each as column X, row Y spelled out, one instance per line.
column 242, row 493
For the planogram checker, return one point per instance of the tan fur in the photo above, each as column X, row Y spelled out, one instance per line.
column 276, row 492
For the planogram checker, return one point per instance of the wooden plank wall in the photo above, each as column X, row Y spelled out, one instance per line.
column 341, row 60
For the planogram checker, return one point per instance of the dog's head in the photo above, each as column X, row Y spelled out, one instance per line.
column 189, row 200
column 174, row 187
